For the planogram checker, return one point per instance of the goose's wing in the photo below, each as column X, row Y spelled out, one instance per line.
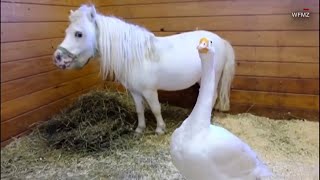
column 232, row 156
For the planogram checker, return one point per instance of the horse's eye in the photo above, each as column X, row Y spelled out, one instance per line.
column 78, row 34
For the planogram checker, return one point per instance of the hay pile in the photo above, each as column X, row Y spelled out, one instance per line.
column 62, row 148
column 97, row 121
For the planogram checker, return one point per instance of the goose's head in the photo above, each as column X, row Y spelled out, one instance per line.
column 205, row 45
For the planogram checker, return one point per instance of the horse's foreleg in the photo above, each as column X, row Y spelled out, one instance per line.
column 138, row 100
column 153, row 101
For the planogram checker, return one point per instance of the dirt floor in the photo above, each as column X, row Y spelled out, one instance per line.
column 289, row 148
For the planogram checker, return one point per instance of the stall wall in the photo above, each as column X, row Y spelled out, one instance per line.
column 277, row 55
column 32, row 88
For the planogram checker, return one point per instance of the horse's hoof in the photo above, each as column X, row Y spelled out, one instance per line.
column 139, row 130
column 137, row 135
column 160, row 131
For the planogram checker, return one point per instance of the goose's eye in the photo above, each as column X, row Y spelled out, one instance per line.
column 78, row 34
column 210, row 42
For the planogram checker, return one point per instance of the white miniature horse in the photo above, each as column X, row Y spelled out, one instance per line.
column 142, row 62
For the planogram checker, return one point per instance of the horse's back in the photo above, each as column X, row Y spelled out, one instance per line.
column 190, row 34
column 179, row 59
column 184, row 44
column 191, row 37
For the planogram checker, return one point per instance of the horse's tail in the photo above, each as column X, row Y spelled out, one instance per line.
column 226, row 79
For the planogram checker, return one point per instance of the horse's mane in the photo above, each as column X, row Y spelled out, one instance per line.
column 122, row 46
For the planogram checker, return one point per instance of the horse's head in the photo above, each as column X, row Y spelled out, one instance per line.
column 79, row 44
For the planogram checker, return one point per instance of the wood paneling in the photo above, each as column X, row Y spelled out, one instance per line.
column 32, row 31
column 21, row 87
column 32, row 101
column 32, row 88
column 197, row 3
column 266, row 38
column 275, row 112
column 14, row 12
column 28, row 120
column 8, row 141
column 277, row 54
column 258, row 102
column 50, row 2
column 103, row 3
column 275, row 84
column 274, row 69
column 250, row 83
column 208, row 8
column 19, row 69
column 237, row 38
column 280, row 100
column 28, row 49
column 254, row 105
column 272, row 38
column 244, row 23
column 36, row 48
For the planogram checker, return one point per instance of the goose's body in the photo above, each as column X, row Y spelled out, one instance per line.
column 201, row 151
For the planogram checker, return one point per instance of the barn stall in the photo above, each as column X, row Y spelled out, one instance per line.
column 275, row 90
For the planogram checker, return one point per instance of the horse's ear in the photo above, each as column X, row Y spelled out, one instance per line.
column 93, row 13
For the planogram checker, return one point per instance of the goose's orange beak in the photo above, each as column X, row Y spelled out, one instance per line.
column 203, row 45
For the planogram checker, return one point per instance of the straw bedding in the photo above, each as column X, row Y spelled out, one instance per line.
column 94, row 139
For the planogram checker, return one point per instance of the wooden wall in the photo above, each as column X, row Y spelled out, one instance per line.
column 277, row 56
column 32, row 88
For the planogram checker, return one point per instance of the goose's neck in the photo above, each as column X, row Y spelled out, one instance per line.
column 201, row 113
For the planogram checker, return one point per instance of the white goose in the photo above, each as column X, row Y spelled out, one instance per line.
column 201, row 151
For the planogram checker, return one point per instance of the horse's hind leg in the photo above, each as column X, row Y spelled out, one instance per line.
column 138, row 100
column 153, row 101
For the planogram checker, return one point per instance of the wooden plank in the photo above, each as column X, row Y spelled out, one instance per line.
column 274, row 112
column 236, row 108
column 282, row 85
column 306, row 106
column 267, row 84
column 275, row 69
column 32, row 31
column 28, row 116
column 279, row 100
column 103, row 3
column 50, row 2
column 276, row 100
column 14, row 12
column 32, row 101
column 8, row 141
column 9, row 32
column 272, row 38
column 265, row 38
column 24, row 68
column 297, row 3
column 28, row 120
column 229, row 23
column 28, row 49
column 209, row 8
column 277, row 54
column 21, row 87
